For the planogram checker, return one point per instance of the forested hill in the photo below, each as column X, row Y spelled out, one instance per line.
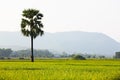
column 76, row 41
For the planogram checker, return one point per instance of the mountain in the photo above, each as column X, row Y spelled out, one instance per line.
column 71, row 42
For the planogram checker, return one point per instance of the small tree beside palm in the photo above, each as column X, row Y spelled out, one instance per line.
column 31, row 26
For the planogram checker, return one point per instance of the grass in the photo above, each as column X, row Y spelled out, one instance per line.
column 53, row 69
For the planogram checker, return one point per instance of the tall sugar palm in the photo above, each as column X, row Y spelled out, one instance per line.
column 31, row 25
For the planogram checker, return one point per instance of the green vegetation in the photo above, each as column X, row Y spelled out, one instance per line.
column 78, row 57
column 24, row 54
column 117, row 55
column 60, row 69
column 5, row 53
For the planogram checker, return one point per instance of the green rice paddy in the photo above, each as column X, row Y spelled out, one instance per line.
column 55, row 69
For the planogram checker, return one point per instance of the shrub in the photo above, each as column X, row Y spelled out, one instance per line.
column 78, row 57
column 21, row 58
column 8, row 58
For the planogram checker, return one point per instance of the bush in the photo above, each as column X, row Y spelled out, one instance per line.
column 78, row 57
column 8, row 58
column 21, row 58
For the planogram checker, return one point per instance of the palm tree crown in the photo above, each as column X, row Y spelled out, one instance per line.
column 31, row 24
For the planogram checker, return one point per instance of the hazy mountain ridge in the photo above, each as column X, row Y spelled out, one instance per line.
column 74, row 41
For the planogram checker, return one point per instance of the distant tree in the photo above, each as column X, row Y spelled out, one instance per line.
column 88, row 56
column 93, row 56
column 72, row 55
column 117, row 55
column 43, row 53
column 64, row 54
column 31, row 26
column 5, row 52
column 37, row 53
column 101, row 57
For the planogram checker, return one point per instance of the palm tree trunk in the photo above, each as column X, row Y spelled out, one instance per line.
column 32, row 56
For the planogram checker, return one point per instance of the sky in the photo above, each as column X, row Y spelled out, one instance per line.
column 101, row 16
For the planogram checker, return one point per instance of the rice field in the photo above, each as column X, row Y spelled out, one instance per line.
column 54, row 69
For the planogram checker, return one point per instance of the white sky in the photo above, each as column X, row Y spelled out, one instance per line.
column 65, row 15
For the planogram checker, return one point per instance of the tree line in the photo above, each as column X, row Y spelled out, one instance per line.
column 26, row 54
column 9, row 53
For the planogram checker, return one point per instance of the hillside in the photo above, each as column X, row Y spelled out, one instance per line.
column 76, row 41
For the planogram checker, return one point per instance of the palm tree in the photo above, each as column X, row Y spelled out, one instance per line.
column 31, row 26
